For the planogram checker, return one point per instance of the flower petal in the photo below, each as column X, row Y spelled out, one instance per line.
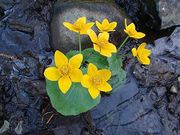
column 105, row 22
column 98, row 24
column 85, row 81
column 131, row 27
column 105, row 87
column 76, row 75
column 69, row 26
column 112, row 26
column 125, row 23
column 92, row 69
column 76, row 61
column 103, row 36
column 60, row 59
column 112, row 48
column 96, row 48
column 92, row 35
column 64, row 84
column 81, row 20
column 86, row 28
column 134, row 52
column 94, row 92
column 105, row 74
column 105, row 52
column 52, row 73
column 138, row 35
column 144, row 60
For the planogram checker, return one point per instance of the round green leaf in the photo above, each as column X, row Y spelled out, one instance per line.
column 118, row 74
column 77, row 100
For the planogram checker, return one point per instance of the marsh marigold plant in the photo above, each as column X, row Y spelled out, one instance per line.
column 106, row 26
column 132, row 32
column 101, row 43
column 65, row 71
column 142, row 54
column 80, row 25
column 74, row 84
column 96, row 80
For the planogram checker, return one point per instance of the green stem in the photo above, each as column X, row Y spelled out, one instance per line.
column 123, row 43
column 79, row 38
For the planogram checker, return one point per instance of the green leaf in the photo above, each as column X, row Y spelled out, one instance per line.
column 179, row 78
column 71, row 53
column 118, row 74
column 77, row 100
column 96, row 58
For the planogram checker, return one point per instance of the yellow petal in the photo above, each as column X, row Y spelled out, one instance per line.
column 103, row 36
column 112, row 48
column 144, row 60
column 112, row 26
column 105, row 22
column 105, row 52
column 76, row 75
column 81, row 20
column 105, row 74
column 105, row 87
column 92, row 35
column 60, row 59
column 99, row 25
column 69, row 26
column 52, row 73
column 125, row 21
column 76, row 61
column 64, row 84
column 94, row 92
column 85, row 81
column 92, row 69
column 96, row 48
column 134, row 52
column 86, row 28
column 131, row 27
column 138, row 35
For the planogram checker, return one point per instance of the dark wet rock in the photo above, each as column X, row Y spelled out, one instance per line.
column 143, row 12
column 165, row 62
column 64, row 39
column 154, row 14
column 168, row 12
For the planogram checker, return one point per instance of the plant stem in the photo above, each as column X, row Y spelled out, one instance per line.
column 123, row 43
column 79, row 38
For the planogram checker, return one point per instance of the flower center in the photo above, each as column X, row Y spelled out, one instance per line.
column 65, row 69
column 96, row 80
column 132, row 31
column 78, row 26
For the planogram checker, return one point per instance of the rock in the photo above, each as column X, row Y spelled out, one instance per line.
column 173, row 89
column 169, row 12
column 165, row 62
column 65, row 40
column 142, row 12
column 154, row 14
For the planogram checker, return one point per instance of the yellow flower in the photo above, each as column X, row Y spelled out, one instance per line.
column 131, row 31
column 66, row 71
column 96, row 80
column 80, row 26
column 142, row 54
column 101, row 43
column 106, row 26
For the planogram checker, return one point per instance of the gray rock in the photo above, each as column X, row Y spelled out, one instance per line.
column 169, row 12
column 165, row 62
column 70, row 10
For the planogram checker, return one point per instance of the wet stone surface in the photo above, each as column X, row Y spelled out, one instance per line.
column 145, row 105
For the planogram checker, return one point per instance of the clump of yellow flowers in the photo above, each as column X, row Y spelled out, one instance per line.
column 73, row 75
